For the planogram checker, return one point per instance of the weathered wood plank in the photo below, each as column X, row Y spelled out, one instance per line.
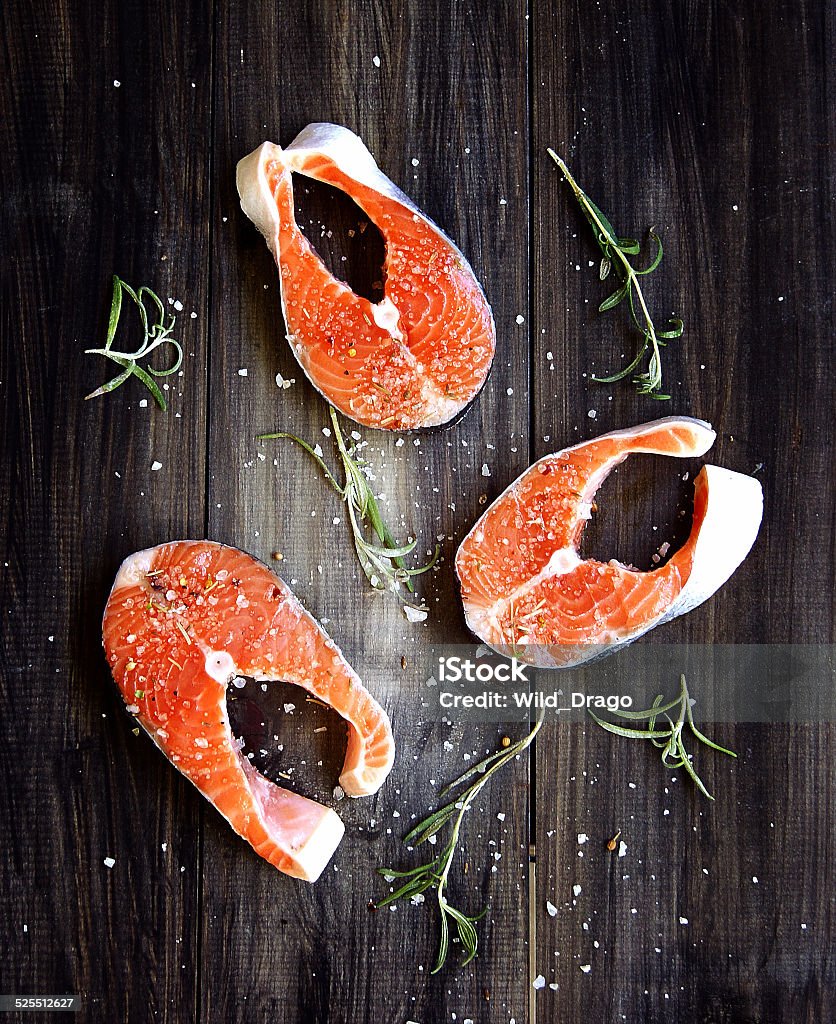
column 449, row 84
column 709, row 121
column 95, row 178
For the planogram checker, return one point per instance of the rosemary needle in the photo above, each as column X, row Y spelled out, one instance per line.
column 382, row 561
column 615, row 251
column 155, row 335
column 435, row 873
column 668, row 740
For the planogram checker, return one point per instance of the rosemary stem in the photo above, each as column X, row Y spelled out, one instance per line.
column 631, row 278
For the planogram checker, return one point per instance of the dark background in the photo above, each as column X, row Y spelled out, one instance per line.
column 712, row 120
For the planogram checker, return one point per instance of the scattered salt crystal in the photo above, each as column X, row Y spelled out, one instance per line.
column 116, row 83
column 622, row 849
column 586, row 968
column 376, row 61
column 143, row 403
column 289, row 708
column 417, row 899
column 683, row 920
column 755, row 879
column 592, row 414
column 109, row 862
column 520, row 318
column 155, row 466
column 501, row 816
column 51, row 639
column 486, row 469
column 551, row 908
column 415, row 614
column 239, row 683
column 582, row 838
column 577, row 890
column 415, row 161
column 243, row 371
column 509, row 391
column 285, row 382
column 178, row 305
column 339, row 793
column 164, row 847
column 539, row 982
column 201, row 742
column 193, row 315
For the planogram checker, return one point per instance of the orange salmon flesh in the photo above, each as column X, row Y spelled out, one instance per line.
column 419, row 356
column 185, row 618
column 524, row 586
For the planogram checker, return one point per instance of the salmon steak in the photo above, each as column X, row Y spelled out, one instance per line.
column 525, row 588
column 419, row 356
column 184, row 619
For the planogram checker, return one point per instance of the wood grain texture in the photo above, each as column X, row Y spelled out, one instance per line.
column 339, row 960
column 706, row 121
column 710, row 120
column 95, row 179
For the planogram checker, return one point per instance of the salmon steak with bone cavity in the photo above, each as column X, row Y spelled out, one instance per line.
column 184, row 619
column 525, row 588
column 419, row 356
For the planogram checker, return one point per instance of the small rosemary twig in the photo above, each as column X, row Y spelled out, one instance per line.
column 669, row 741
column 383, row 562
column 434, row 874
column 154, row 336
column 615, row 251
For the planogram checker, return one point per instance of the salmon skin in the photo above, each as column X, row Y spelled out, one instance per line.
column 527, row 592
column 415, row 359
column 185, row 618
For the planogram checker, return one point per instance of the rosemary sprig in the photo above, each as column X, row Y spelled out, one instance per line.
column 155, row 335
column 434, row 873
column 382, row 562
column 615, row 251
column 668, row 740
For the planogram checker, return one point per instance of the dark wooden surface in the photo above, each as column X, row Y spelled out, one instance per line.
column 711, row 120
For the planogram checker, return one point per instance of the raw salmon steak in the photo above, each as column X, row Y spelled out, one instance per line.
column 185, row 618
column 421, row 354
column 526, row 590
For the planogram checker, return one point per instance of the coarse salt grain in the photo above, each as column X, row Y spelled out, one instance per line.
column 156, row 466
column 109, row 862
